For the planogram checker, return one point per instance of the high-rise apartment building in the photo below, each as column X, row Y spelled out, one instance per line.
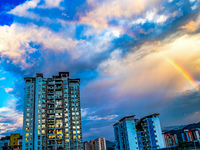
column 96, row 144
column 152, row 133
column 52, row 114
column 126, row 137
column 143, row 134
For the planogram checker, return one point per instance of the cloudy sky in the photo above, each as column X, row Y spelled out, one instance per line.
column 134, row 57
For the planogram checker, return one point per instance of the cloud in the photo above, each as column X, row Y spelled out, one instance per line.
column 10, row 118
column 8, row 90
column 118, row 50
column 52, row 4
column 191, row 26
column 107, row 10
column 3, row 78
column 111, row 117
column 17, row 44
column 23, row 9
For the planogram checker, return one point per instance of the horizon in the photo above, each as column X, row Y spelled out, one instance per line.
column 132, row 58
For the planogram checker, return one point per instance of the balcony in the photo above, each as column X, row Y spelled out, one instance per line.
column 51, row 112
column 50, row 102
column 50, row 93
column 50, row 107
column 58, row 97
column 58, row 82
column 58, row 116
column 51, row 83
column 58, row 106
column 50, row 122
column 59, row 126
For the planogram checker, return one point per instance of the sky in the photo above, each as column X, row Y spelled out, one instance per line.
column 133, row 58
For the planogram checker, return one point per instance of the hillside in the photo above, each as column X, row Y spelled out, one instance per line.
column 178, row 132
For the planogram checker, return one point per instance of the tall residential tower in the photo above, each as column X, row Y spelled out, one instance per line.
column 52, row 114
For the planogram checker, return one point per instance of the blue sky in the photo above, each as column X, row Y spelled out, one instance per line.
column 119, row 50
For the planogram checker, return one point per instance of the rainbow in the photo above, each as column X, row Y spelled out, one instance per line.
column 185, row 73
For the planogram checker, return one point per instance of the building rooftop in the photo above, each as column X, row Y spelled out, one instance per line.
column 150, row 116
column 127, row 117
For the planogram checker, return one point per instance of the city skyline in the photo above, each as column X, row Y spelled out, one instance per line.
column 132, row 58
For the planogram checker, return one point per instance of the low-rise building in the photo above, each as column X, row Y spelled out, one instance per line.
column 170, row 140
column 191, row 135
column 12, row 142
column 96, row 144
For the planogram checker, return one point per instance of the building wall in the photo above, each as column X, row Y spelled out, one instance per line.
column 149, row 135
column 170, row 140
column 96, row 144
column 132, row 134
column 29, row 104
column 126, row 134
column 158, row 132
column 14, row 139
column 191, row 135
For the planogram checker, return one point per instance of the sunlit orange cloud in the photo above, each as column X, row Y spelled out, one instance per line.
column 190, row 27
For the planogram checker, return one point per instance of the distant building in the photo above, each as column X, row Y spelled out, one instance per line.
column 133, row 134
column 170, row 140
column 52, row 113
column 96, row 144
column 191, row 135
column 14, row 139
column 5, row 142
column 12, row 142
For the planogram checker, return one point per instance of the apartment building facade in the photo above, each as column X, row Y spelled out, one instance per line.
column 126, row 134
column 190, row 135
column 170, row 140
column 152, row 133
column 96, row 144
column 14, row 141
column 52, row 113
column 143, row 134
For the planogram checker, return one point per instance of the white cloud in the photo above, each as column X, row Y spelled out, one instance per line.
column 52, row 4
column 115, row 9
column 3, row 78
column 84, row 112
column 111, row 117
column 23, row 9
column 8, row 90
column 151, row 16
column 10, row 118
column 15, row 42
